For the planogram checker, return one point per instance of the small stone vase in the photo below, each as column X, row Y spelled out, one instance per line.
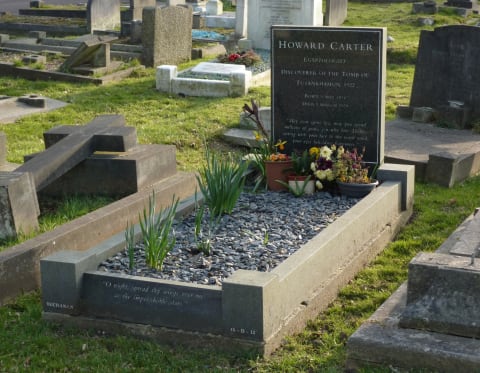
column 277, row 170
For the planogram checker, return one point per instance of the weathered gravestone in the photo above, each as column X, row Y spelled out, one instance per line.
column 92, row 53
column 103, row 15
column 254, row 18
column 446, row 74
column 18, row 190
column 336, row 12
column 328, row 87
column 166, row 35
column 136, row 7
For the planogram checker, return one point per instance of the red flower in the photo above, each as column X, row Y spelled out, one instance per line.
column 233, row 57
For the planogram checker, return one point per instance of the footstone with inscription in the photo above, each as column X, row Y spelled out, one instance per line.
column 328, row 87
column 446, row 74
column 19, row 189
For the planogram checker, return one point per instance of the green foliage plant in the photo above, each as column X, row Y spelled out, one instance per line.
column 158, row 236
column 130, row 243
column 221, row 181
column 302, row 164
column 296, row 189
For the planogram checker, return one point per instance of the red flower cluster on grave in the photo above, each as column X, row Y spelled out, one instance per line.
column 234, row 56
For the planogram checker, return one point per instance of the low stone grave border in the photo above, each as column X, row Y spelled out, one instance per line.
column 251, row 310
column 236, row 85
column 32, row 74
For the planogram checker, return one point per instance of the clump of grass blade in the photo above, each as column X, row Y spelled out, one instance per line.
column 158, row 236
column 221, row 181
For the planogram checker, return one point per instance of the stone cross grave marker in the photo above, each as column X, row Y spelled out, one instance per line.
column 446, row 74
column 18, row 189
column 328, row 87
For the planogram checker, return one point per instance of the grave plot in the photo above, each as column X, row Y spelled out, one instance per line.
column 251, row 309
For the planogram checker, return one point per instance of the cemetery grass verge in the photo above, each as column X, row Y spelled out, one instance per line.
column 28, row 343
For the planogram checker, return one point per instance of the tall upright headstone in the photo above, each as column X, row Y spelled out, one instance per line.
column 136, row 7
column 446, row 74
column 167, row 35
column 328, row 87
column 255, row 17
column 336, row 12
column 103, row 15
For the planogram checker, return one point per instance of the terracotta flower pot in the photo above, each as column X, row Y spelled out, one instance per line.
column 277, row 170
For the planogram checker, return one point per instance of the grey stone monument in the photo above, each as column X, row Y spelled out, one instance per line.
column 167, row 35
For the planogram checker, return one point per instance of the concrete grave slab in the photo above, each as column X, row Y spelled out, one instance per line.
column 218, row 68
column 11, row 108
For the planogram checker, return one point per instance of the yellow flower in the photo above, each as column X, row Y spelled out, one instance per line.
column 314, row 151
column 258, row 136
column 319, row 185
column 280, row 145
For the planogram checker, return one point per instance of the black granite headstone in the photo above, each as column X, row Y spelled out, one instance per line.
column 328, row 87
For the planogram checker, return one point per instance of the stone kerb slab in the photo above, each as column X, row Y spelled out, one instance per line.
column 251, row 309
column 446, row 76
column 3, row 148
column 254, row 18
column 103, row 15
column 238, row 83
column 166, row 35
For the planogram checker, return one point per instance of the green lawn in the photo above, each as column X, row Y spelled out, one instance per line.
column 27, row 344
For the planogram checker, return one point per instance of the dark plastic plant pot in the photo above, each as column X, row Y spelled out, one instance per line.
column 355, row 190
